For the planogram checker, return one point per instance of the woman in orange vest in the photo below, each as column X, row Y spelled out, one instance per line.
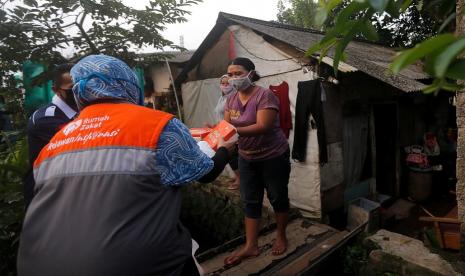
column 107, row 198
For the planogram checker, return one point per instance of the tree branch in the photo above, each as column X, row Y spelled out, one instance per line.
column 84, row 34
column 3, row 3
column 68, row 25
column 75, row 59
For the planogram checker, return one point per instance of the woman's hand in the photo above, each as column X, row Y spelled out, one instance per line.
column 229, row 144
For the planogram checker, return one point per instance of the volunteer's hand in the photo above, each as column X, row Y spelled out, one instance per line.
column 229, row 145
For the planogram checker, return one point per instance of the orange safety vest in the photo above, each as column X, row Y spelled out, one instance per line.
column 100, row 207
column 104, row 125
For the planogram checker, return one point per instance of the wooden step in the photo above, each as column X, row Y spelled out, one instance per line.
column 303, row 236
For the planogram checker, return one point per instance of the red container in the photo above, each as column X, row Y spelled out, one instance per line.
column 200, row 132
column 223, row 129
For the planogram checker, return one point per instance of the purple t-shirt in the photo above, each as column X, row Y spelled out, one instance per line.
column 263, row 146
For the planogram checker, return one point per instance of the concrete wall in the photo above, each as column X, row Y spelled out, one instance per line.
column 161, row 77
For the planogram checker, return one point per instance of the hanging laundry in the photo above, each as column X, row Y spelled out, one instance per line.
column 285, row 118
column 309, row 102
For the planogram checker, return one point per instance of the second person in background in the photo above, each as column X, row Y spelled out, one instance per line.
column 226, row 91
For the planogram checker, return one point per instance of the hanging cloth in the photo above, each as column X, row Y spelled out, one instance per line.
column 285, row 117
column 309, row 102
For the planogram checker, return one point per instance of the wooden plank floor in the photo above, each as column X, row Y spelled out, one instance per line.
column 303, row 235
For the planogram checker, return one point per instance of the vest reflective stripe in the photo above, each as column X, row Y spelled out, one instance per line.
column 104, row 125
column 97, row 161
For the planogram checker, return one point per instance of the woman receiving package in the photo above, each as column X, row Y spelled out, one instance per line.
column 263, row 156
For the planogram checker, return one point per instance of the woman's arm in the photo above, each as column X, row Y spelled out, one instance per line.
column 265, row 120
column 227, row 118
column 220, row 160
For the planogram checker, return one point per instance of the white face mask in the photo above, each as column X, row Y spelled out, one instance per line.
column 241, row 83
column 227, row 89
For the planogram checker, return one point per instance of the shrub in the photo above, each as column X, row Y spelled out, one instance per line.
column 13, row 166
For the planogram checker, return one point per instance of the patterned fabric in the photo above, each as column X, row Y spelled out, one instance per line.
column 179, row 159
column 219, row 108
column 101, row 77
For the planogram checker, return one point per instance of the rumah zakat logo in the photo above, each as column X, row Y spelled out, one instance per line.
column 72, row 127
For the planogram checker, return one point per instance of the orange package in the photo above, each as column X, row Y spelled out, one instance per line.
column 200, row 132
column 223, row 129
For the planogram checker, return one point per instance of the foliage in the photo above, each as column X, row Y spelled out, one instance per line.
column 39, row 29
column 211, row 216
column 12, row 103
column 297, row 12
column 46, row 30
column 13, row 166
column 411, row 27
column 355, row 257
column 439, row 54
column 356, row 254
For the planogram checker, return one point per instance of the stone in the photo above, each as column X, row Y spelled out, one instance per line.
column 403, row 255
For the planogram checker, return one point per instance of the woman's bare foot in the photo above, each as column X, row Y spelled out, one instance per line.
column 244, row 253
column 279, row 246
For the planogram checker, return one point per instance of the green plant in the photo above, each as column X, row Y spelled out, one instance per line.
column 440, row 55
column 13, row 166
column 355, row 257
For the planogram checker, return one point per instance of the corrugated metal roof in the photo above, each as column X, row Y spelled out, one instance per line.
column 370, row 58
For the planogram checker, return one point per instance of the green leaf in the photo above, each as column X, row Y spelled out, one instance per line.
column 449, row 86
column 332, row 4
column 338, row 30
column 446, row 22
column 421, row 50
column 323, row 53
column 429, row 61
column 342, row 44
column 379, row 5
column 445, row 58
column 320, row 16
column 369, row 31
column 420, row 5
column 456, row 70
column 31, row 3
column 352, row 9
column 407, row 4
column 441, row 84
column 434, row 87
column 343, row 24
column 319, row 46
column 392, row 9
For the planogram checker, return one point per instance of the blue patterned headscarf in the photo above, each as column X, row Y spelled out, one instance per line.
column 101, row 77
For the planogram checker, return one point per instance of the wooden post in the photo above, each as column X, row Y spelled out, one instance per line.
column 460, row 108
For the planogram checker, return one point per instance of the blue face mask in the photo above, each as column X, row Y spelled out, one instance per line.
column 80, row 86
